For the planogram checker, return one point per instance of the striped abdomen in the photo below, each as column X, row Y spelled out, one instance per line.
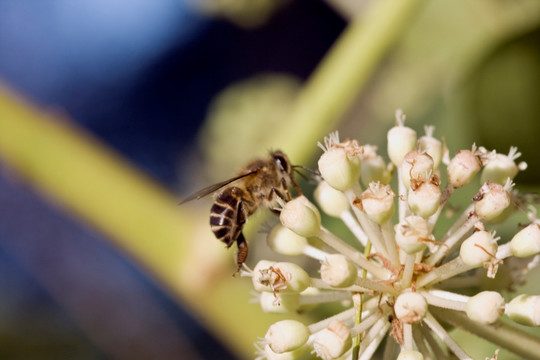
column 227, row 216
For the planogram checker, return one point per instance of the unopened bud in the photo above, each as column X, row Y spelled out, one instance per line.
column 286, row 335
column 485, row 307
column 527, row 241
column 333, row 202
column 401, row 140
column 500, row 167
column 374, row 169
column 332, row 341
column 412, row 234
column 417, row 165
column 338, row 169
column 424, row 198
column 491, row 200
column 525, row 310
column 410, row 355
column 410, row 307
column 337, row 271
column 432, row 146
column 295, row 354
column 378, row 202
column 462, row 168
column 301, row 216
column 478, row 249
column 285, row 241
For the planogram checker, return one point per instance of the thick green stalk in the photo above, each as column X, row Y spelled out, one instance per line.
column 344, row 72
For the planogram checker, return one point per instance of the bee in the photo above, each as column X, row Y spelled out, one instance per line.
column 257, row 185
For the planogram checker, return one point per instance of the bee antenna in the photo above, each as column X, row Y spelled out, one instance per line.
column 305, row 168
column 315, row 173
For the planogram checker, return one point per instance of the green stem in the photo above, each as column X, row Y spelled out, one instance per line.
column 358, row 314
column 344, row 72
column 505, row 335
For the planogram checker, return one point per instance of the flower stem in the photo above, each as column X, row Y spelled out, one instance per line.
column 408, row 271
column 354, row 255
column 342, row 316
column 357, row 302
column 443, row 335
column 315, row 253
column 374, row 337
column 452, row 237
column 505, row 335
column 373, row 233
column 355, row 228
column 324, row 297
column 443, row 272
column 455, row 302
column 407, row 337
column 367, row 323
column 403, row 208
column 389, row 237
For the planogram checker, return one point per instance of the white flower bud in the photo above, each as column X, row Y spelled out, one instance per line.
column 333, row 202
column 500, row 167
column 410, row 307
column 424, row 198
column 285, row 241
column 337, row 271
column 478, row 248
column 338, row 169
column 485, row 307
column 412, row 233
column 525, row 310
column 378, row 202
column 280, row 277
column 432, row 146
column 491, row 201
column 401, row 140
column 282, row 303
column 301, row 216
column 286, row 335
column 416, row 165
column 374, row 169
column 410, row 355
column 526, row 242
column 462, row 168
column 332, row 341
column 295, row 354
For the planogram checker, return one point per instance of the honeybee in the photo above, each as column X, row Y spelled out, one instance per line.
column 257, row 185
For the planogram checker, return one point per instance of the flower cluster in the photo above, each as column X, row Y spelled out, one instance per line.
column 400, row 281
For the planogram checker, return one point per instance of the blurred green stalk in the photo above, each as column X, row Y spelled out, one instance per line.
column 141, row 217
column 344, row 72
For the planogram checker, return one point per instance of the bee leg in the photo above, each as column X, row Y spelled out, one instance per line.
column 242, row 254
column 284, row 185
column 285, row 196
column 296, row 187
column 275, row 192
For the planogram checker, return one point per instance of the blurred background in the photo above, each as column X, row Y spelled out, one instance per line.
column 113, row 111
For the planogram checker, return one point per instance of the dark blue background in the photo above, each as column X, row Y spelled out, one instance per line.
column 138, row 74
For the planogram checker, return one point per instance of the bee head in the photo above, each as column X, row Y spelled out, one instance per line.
column 282, row 161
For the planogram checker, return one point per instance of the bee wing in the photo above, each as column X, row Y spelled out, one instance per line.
column 212, row 188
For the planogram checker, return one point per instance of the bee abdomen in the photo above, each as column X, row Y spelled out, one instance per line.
column 227, row 216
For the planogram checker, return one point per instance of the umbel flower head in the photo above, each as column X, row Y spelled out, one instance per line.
column 405, row 279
